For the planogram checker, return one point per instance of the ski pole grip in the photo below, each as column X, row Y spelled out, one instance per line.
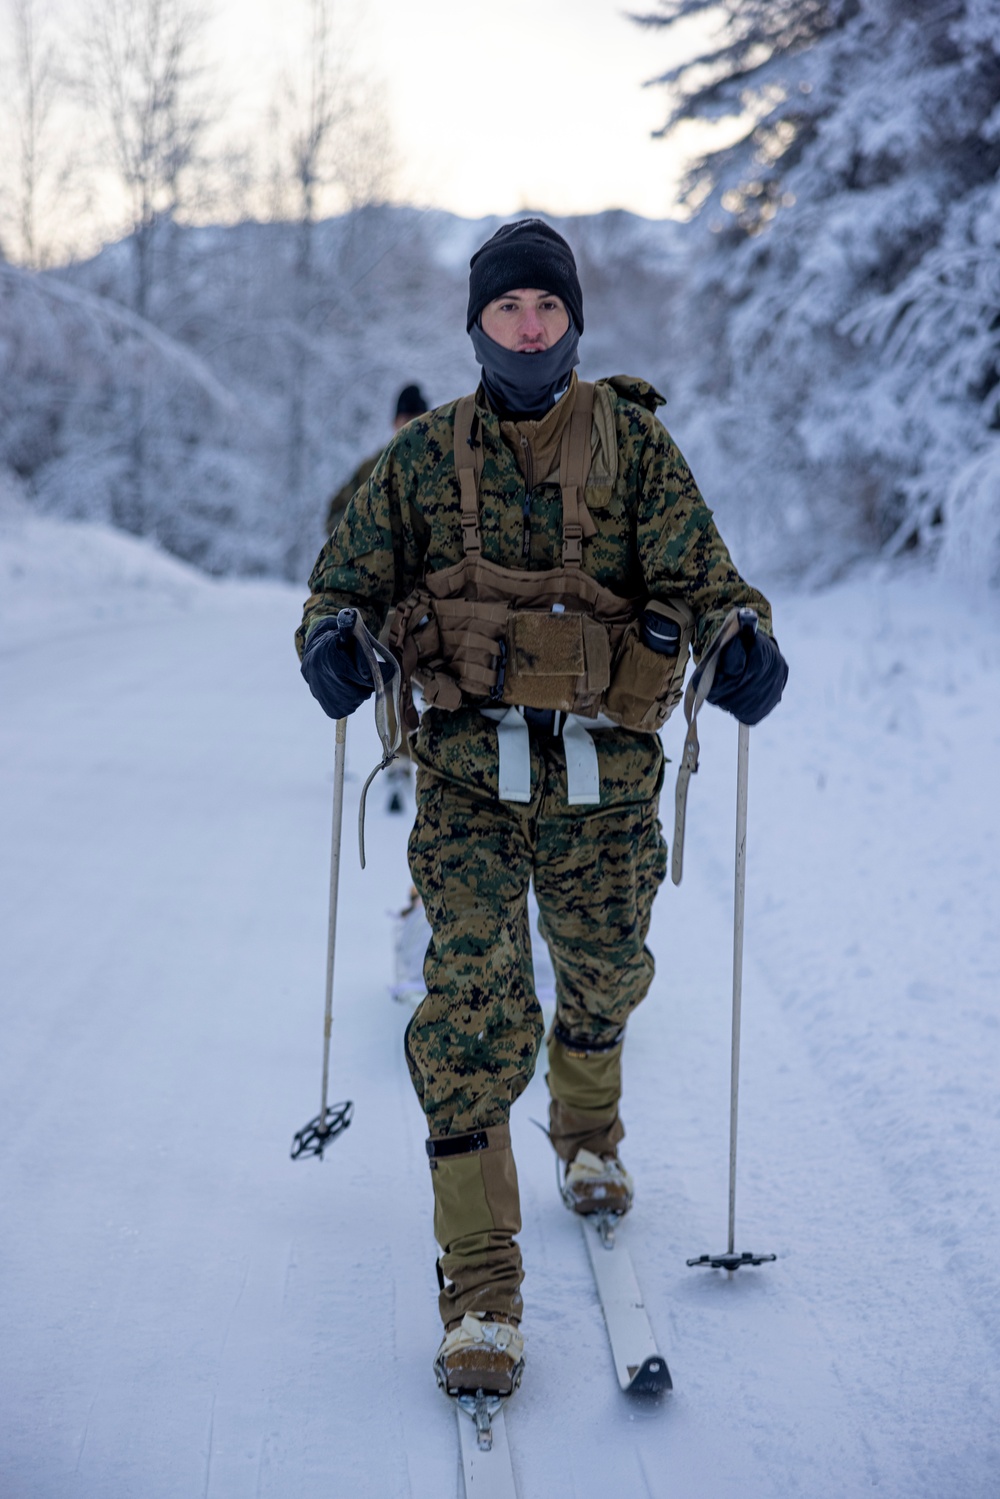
column 747, row 619
column 347, row 619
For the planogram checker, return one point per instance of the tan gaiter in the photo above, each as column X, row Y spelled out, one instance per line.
column 585, row 1087
column 476, row 1215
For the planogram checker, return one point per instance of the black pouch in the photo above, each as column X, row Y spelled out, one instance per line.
column 646, row 684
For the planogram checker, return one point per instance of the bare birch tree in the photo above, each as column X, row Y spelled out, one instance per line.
column 337, row 150
column 144, row 80
column 314, row 110
column 35, row 162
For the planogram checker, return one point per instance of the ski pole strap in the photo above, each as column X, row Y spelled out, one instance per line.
column 697, row 691
column 376, row 653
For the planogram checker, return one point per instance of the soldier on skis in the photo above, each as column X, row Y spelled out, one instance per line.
column 550, row 560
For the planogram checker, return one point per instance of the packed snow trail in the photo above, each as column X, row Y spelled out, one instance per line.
column 186, row 1312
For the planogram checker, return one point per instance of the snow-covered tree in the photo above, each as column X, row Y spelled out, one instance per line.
column 851, row 287
column 390, row 287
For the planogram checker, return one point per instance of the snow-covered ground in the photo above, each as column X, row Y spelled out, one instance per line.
column 184, row 1312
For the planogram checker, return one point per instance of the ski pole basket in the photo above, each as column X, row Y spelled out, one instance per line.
column 315, row 1136
column 731, row 1262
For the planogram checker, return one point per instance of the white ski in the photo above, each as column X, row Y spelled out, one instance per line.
column 485, row 1453
column 639, row 1364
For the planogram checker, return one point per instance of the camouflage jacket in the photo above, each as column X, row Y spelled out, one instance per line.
column 340, row 501
column 654, row 537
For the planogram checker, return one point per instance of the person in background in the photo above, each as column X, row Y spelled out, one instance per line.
column 409, row 404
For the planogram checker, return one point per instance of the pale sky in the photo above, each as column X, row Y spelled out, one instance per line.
column 498, row 106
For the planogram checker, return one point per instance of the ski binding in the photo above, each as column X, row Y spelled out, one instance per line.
column 486, row 1460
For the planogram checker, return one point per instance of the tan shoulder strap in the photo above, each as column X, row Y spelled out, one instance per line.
column 574, row 466
column 469, row 466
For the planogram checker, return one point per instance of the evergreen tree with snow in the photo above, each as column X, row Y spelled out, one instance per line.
column 853, row 288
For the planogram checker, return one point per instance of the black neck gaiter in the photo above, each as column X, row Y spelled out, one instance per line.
column 525, row 385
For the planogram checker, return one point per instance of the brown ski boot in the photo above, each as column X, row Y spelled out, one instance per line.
column 597, row 1184
column 480, row 1354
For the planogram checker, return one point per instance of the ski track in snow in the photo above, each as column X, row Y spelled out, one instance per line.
column 186, row 1312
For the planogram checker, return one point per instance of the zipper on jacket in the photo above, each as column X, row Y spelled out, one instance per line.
column 526, row 511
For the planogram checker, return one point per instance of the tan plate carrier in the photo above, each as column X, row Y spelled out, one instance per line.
column 483, row 634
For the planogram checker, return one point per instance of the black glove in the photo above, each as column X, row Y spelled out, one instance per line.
column 338, row 675
column 750, row 677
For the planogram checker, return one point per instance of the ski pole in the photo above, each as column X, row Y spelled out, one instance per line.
column 731, row 1260
column 314, row 1137
column 742, row 777
column 736, row 622
column 390, row 735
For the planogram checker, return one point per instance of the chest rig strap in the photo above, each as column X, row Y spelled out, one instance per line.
column 574, row 467
column 469, row 464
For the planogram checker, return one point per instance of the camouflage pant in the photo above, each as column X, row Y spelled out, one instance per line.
column 473, row 1042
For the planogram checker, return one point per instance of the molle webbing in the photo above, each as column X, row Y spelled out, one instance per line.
column 555, row 638
column 478, row 630
column 574, row 467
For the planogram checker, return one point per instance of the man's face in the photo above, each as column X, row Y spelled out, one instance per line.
column 527, row 321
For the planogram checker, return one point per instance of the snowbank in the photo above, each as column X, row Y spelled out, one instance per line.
column 58, row 577
column 187, row 1312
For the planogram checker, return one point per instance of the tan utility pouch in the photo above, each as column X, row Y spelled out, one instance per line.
column 646, row 685
column 555, row 660
column 416, row 640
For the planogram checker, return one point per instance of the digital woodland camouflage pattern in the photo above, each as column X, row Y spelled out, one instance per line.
column 655, row 536
column 478, row 1032
column 340, row 501
column 473, row 1042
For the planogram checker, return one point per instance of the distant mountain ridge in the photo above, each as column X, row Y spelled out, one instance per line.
column 834, row 400
column 178, row 428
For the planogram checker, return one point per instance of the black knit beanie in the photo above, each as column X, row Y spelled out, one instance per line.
column 411, row 401
column 527, row 253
